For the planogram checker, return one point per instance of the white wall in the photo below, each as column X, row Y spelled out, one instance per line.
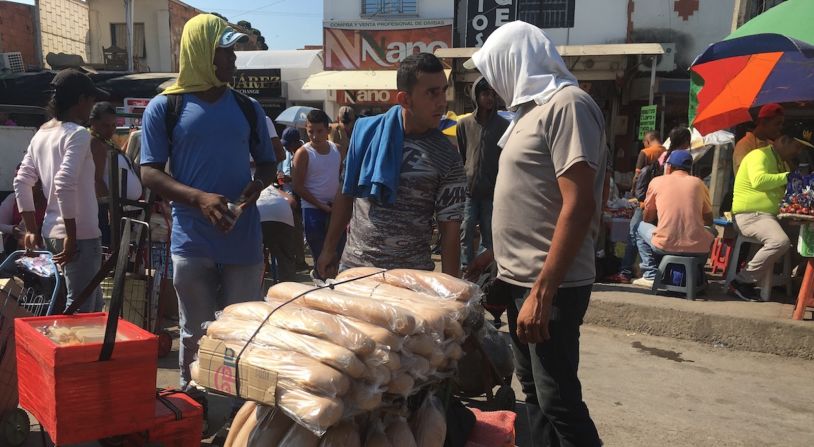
column 63, row 27
column 294, row 78
column 352, row 9
column 155, row 16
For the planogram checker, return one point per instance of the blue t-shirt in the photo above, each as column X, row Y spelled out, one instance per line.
column 210, row 153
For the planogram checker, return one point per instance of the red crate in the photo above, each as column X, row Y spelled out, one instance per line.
column 74, row 396
column 178, row 422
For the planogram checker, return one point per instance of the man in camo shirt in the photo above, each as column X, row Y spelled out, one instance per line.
column 432, row 184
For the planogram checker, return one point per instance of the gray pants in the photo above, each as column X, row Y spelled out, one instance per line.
column 765, row 228
column 80, row 271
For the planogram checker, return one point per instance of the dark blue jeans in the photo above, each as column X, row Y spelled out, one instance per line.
column 315, row 223
column 631, row 250
column 558, row 417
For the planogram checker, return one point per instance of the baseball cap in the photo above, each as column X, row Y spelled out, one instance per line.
column 770, row 111
column 74, row 80
column 290, row 136
column 680, row 159
column 230, row 37
column 802, row 133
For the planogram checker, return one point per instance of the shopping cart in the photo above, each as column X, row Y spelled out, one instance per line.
column 35, row 290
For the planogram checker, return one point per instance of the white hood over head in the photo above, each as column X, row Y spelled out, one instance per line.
column 522, row 64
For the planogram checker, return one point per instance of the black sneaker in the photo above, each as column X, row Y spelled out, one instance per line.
column 744, row 291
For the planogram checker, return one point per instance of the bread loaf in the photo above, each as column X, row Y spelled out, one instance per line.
column 345, row 434
column 238, row 422
column 398, row 433
column 386, row 315
column 317, row 413
column 301, row 320
column 293, row 369
column 428, row 424
column 431, row 283
column 379, row 334
column 421, row 344
column 401, row 384
column 376, row 436
column 229, row 329
column 363, row 396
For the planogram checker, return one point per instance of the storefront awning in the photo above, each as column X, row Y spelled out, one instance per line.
column 354, row 80
column 259, row 60
column 622, row 49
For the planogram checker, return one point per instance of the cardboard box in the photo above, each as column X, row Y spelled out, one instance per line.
column 217, row 371
column 178, row 422
column 74, row 396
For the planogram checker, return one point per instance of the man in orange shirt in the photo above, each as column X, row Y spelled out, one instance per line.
column 681, row 205
column 651, row 152
column 768, row 127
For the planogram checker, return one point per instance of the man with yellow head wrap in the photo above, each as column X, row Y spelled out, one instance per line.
column 216, row 238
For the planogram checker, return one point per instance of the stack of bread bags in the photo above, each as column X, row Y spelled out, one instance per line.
column 372, row 338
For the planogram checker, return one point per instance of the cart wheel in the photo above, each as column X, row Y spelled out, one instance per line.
column 164, row 343
column 14, row 427
column 504, row 398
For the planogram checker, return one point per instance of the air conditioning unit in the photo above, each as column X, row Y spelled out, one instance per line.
column 12, row 62
column 665, row 62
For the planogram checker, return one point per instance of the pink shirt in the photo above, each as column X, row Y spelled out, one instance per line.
column 680, row 200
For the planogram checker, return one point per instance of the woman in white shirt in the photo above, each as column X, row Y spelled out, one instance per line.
column 60, row 155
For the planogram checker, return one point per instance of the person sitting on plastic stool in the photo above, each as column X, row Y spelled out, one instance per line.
column 681, row 205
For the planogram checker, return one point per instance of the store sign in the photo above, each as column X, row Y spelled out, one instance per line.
column 381, row 45
column 264, row 83
column 485, row 16
column 132, row 105
column 350, row 97
column 647, row 120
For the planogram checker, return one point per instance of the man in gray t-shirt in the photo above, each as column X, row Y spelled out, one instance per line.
column 431, row 184
column 548, row 196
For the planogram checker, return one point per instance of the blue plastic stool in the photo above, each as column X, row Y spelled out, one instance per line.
column 693, row 271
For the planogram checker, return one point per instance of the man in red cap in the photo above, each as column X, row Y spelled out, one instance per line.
column 768, row 127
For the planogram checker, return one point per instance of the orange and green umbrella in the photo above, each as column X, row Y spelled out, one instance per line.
column 770, row 59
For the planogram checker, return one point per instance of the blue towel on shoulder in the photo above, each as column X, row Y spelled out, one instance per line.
column 373, row 164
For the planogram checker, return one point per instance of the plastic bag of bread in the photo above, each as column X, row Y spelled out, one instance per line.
column 272, row 426
column 301, row 320
column 382, row 356
column 363, row 397
column 239, row 422
column 401, row 384
column 316, row 413
column 431, row 283
column 428, row 424
column 379, row 334
column 398, row 432
column 346, row 434
column 298, row 436
column 293, row 369
column 341, row 358
column 375, row 436
column 387, row 315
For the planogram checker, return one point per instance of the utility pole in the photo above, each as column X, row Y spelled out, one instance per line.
column 128, row 18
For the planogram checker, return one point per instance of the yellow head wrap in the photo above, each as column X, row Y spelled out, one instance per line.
column 198, row 43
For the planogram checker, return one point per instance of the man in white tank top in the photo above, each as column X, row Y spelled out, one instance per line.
column 315, row 174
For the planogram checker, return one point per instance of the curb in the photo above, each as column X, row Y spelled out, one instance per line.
column 780, row 337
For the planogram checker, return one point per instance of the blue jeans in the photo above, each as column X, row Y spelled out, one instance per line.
column 79, row 272
column 476, row 212
column 315, row 223
column 649, row 254
column 548, row 372
column 203, row 288
column 626, row 268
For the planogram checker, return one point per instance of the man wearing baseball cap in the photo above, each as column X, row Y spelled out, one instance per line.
column 759, row 188
column 217, row 252
column 681, row 205
column 768, row 126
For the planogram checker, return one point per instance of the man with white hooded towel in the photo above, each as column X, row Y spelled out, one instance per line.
column 546, row 216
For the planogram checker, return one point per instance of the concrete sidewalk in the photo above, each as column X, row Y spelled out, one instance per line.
column 715, row 318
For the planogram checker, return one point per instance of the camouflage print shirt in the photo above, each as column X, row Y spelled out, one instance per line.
column 432, row 184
